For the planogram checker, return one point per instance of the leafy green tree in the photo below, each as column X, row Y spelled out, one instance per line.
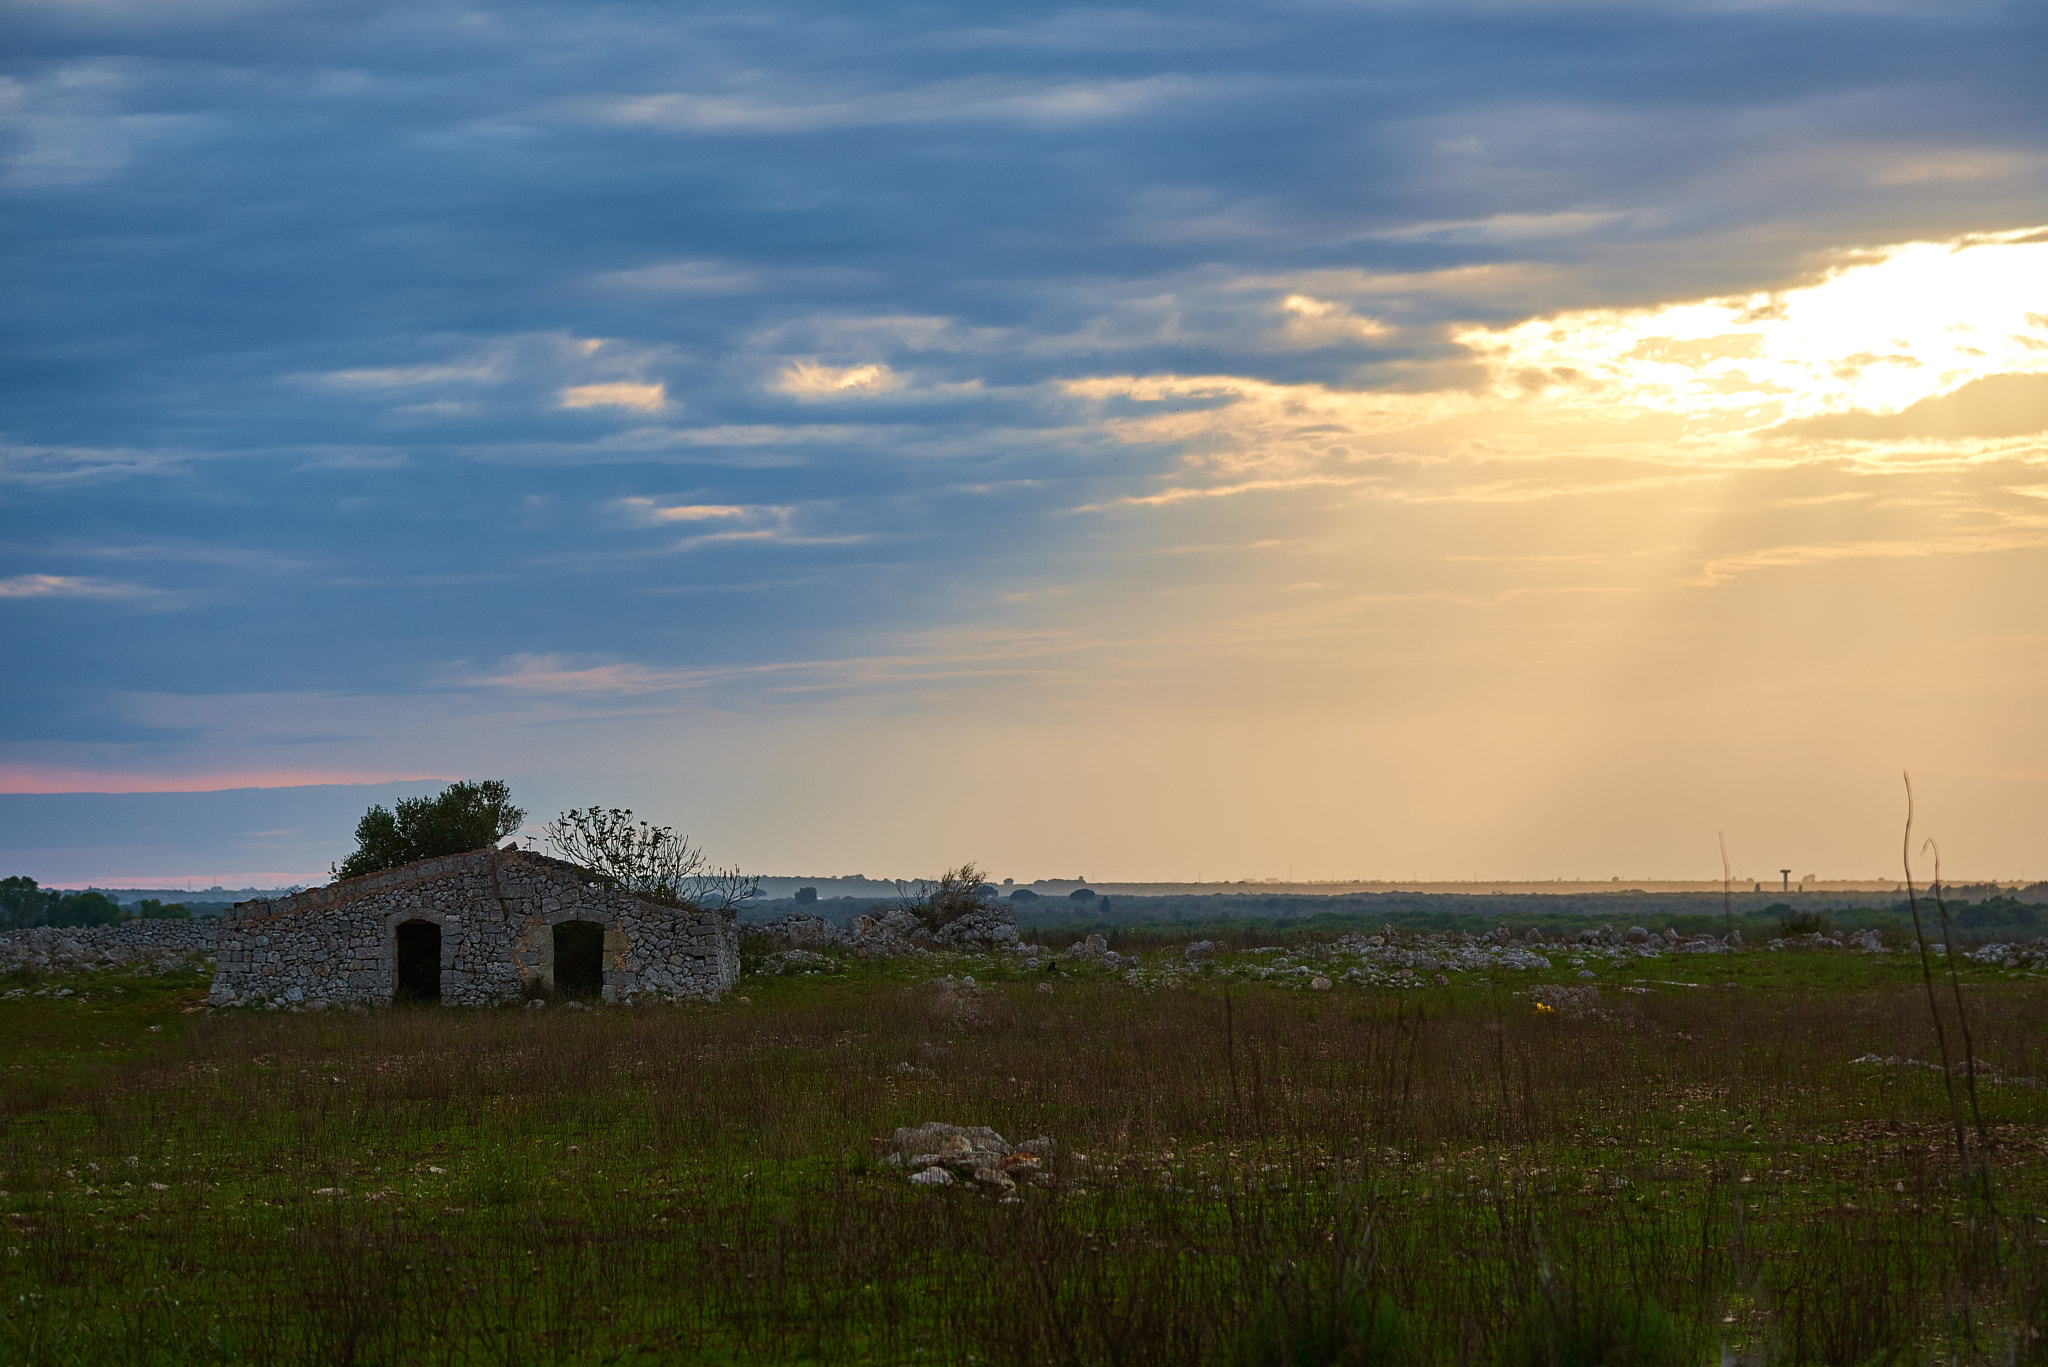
column 86, row 908
column 24, row 904
column 150, row 909
column 461, row 817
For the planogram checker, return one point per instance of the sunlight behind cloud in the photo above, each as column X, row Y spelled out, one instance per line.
column 1876, row 335
column 644, row 398
column 809, row 380
column 1934, row 349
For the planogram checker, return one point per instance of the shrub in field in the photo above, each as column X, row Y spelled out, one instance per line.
column 1792, row 922
column 460, row 818
column 648, row 860
column 1598, row 1331
column 1352, row 1331
column 954, row 894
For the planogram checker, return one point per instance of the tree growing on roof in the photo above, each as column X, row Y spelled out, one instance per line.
column 461, row 817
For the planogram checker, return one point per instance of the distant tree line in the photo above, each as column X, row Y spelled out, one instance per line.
column 24, row 904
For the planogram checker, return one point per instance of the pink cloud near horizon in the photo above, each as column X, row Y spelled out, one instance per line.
column 36, row 778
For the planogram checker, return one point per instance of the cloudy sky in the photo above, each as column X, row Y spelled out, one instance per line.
column 1373, row 439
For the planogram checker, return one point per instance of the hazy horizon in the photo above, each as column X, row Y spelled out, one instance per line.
column 108, row 840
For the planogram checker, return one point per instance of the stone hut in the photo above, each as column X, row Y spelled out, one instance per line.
column 478, row 929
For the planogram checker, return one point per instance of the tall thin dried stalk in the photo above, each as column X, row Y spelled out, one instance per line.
column 1927, row 979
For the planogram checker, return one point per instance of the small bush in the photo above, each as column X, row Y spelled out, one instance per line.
column 956, row 893
column 1792, row 923
column 1354, row 1331
column 1598, row 1331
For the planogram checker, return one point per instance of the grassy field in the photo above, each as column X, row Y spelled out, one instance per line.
column 1246, row 1172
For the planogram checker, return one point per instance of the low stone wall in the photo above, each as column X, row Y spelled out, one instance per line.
column 496, row 911
column 55, row 948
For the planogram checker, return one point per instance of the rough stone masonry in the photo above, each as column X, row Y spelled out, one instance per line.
column 494, row 913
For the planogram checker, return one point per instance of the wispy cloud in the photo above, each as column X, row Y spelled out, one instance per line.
column 642, row 398
column 556, row 674
column 18, row 777
column 972, row 99
column 69, row 586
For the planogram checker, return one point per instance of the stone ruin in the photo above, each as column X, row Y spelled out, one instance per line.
column 485, row 928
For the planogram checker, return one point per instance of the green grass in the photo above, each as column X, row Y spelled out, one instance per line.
column 1246, row 1172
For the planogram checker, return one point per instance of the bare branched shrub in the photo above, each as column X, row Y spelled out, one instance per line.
column 649, row 860
column 954, row 894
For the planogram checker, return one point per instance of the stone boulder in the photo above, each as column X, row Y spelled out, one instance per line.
column 1573, row 1003
column 973, row 1153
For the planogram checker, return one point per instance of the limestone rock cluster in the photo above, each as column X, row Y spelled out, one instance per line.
column 1095, row 949
column 937, row 1154
column 886, row 932
column 2031, row 955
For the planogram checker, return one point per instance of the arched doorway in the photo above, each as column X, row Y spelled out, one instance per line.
column 579, row 959
column 419, row 962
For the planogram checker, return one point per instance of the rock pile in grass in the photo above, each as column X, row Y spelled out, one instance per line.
column 1810, row 940
column 2033, row 954
column 886, row 932
column 1095, row 949
column 988, row 925
column 937, row 1155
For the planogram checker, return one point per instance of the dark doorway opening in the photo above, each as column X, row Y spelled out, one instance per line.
column 579, row 959
column 419, row 962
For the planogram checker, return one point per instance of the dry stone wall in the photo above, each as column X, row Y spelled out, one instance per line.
column 54, row 948
column 496, row 911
